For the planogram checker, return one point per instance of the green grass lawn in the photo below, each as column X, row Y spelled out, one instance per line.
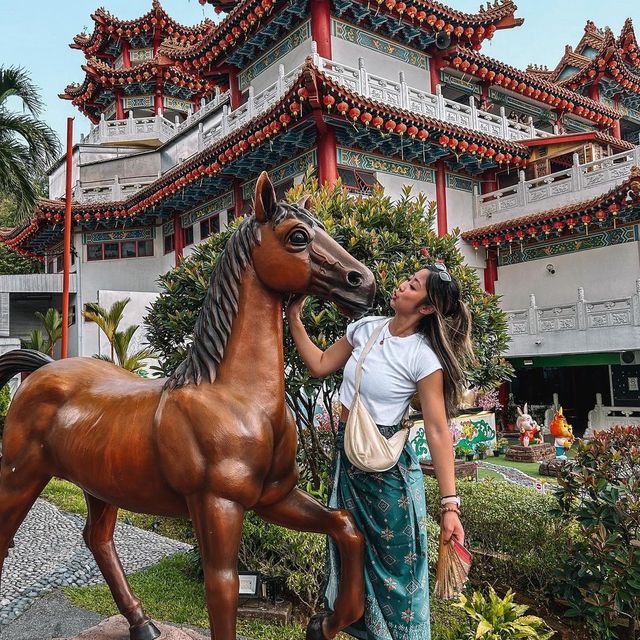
column 67, row 497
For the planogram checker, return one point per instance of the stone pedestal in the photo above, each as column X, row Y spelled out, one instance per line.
column 462, row 469
column 551, row 467
column 532, row 453
column 117, row 628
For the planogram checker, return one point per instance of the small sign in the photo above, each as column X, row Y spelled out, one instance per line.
column 249, row 584
column 633, row 383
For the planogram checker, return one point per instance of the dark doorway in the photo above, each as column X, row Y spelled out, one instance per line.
column 576, row 388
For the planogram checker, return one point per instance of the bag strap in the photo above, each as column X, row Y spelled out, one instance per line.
column 365, row 351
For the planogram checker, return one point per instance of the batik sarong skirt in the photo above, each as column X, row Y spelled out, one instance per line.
column 390, row 511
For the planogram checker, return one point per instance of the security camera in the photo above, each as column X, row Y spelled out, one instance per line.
column 551, row 269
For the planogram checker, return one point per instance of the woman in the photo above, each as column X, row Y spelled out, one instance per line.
column 421, row 348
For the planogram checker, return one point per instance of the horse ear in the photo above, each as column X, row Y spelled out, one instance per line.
column 264, row 199
column 305, row 202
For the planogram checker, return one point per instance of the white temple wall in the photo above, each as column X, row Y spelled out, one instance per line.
column 381, row 56
column 604, row 273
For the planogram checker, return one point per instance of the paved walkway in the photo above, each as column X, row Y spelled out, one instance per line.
column 517, row 477
column 50, row 553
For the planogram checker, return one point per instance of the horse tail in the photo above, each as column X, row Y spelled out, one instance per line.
column 20, row 360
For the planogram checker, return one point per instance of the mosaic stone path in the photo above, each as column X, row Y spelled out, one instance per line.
column 517, row 477
column 50, row 553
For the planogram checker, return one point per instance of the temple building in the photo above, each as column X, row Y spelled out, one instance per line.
column 537, row 168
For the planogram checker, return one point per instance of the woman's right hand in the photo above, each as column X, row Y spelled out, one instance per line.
column 294, row 308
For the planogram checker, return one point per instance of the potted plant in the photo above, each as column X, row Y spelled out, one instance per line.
column 501, row 447
column 460, row 452
column 470, row 455
column 482, row 449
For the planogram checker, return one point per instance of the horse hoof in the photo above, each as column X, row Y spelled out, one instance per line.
column 147, row 631
column 314, row 628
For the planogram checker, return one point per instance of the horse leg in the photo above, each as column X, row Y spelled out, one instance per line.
column 218, row 526
column 98, row 535
column 298, row 510
column 19, row 488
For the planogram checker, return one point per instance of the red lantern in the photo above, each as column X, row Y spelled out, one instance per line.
column 412, row 132
column 458, row 31
column 546, row 228
column 295, row 108
column 476, row 245
column 457, row 61
column 303, row 94
column 390, row 126
column 421, row 16
column 401, row 128
column 366, row 118
column 431, row 20
column 285, row 119
column 411, row 12
column 443, row 140
column 463, row 145
column 400, row 7
column 377, row 122
column 586, row 219
column 423, row 134
column 329, row 101
column 342, row 107
column 354, row 113
column 533, row 232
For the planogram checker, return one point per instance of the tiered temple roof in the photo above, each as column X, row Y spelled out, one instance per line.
column 97, row 90
column 110, row 32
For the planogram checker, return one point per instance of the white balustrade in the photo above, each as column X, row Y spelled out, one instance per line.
column 570, row 183
column 602, row 417
column 110, row 190
column 580, row 315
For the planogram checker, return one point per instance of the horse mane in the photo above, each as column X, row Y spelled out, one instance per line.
column 220, row 307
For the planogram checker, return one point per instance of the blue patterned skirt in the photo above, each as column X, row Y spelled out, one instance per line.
column 390, row 510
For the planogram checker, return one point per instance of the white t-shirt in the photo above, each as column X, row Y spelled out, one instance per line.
column 390, row 371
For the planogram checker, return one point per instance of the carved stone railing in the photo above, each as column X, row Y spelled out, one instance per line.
column 110, row 190
column 398, row 93
column 602, row 417
column 580, row 315
column 568, row 185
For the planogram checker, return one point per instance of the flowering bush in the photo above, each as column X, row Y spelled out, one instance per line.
column 489, row 401
column 600, row 570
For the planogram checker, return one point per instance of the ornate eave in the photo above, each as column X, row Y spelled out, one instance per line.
column 284, row 130
column 97, row 90
column 618, row 207
column 109, row 31
column 534, row 87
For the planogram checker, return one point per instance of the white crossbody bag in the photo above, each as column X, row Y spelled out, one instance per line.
column 365, row 447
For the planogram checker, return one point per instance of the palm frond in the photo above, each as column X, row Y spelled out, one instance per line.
column 15, row 81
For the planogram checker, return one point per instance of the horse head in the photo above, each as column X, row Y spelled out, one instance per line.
column 296, row 255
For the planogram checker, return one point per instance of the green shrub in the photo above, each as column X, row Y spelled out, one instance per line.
column 600, row 569
column 512, row 531
column 498, row 618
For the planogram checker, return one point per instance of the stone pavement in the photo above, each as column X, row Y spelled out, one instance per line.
column 50, row 553
column 518, row 477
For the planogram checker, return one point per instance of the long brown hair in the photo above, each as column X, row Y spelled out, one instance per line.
column 448, row 330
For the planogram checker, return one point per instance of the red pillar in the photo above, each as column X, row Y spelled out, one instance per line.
column 321, row 26
column 157, row 38
column 489, row 181
column 234, row 89
column 237, row 198
column 157, row 99
column 178, row 237
column 594, row 92
column 119, row 108
column 66, row 259
column 327, row 157
column 441, row 197
column 615, row 129
column 435, row 64
column 126, row 58
column 491, row 272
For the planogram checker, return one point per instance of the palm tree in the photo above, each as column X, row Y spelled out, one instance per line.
column 36, row 341
column 107, row 321
column 27, row 145
column 52, row 323
column 119, row 341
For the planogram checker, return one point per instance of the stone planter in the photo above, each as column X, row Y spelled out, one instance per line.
column 532, row 453
column 462, row 469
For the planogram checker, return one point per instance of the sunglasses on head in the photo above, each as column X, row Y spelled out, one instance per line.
column 442, row 271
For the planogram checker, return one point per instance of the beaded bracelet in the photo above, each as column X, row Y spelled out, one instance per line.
column 453, row 509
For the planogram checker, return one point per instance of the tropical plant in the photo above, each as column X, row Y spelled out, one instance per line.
column 52, row 323
column 36, row 342
column 600, row 569
column 108, row 321
column 393, row 238
column 27, row 145
column 501, row 618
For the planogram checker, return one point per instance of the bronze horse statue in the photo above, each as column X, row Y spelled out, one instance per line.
column 212, row 441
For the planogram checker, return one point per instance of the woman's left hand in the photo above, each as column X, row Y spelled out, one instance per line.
column 451, row 527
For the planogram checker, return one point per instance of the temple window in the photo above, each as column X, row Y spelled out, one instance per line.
column 357, row 181
column 188, row 235
column 169, row 243
column 117, row 250
column 209, row 226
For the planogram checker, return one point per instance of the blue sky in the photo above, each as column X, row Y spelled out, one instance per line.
column 35, row 34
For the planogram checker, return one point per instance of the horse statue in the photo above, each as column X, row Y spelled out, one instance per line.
column 528, row 427
column 178, row 446
column 561, row 430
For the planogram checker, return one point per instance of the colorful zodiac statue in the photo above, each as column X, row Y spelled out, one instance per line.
column 562, row 432
column 528, row 428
